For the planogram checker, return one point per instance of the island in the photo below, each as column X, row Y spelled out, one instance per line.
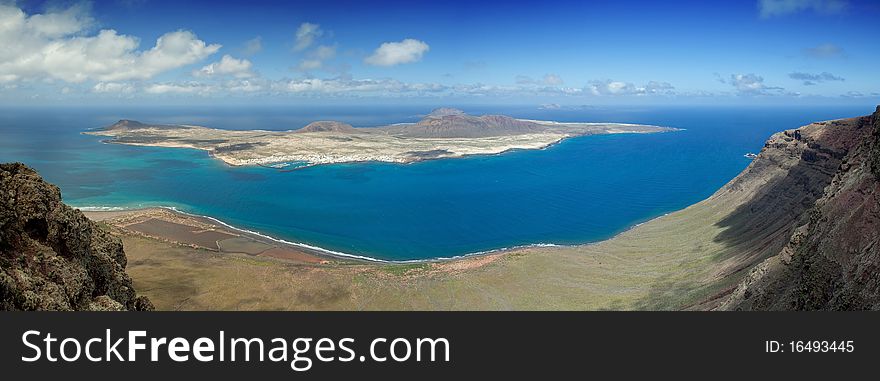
column 796, row 230
column 444, row 133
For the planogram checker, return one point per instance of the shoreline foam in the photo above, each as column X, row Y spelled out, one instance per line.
column 357, row 257
column 324, row 251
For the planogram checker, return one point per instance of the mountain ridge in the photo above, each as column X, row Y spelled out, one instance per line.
column 442, row 122
column 327, row 126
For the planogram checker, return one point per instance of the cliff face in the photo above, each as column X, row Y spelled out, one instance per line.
column 54, row 258
column 831, row 259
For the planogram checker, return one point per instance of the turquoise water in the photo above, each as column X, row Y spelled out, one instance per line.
column 581, row 190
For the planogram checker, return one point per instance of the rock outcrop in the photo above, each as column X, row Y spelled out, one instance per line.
column 831, row 260
column 454, row 123
column 54, row 258
column 327, row 126
column 126, row 124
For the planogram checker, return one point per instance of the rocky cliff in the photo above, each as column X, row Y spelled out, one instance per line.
column 54, row 258
column 830, row 259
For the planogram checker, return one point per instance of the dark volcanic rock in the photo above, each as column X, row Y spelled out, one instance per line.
column 54, row 258
column 126, row 124
column 327, row 126
column 832, row 260
column 237, row 147
column 453, row 123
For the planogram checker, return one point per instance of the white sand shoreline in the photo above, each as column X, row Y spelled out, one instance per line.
column 118, row 211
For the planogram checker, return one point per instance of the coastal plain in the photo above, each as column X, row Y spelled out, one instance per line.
column 662, row 264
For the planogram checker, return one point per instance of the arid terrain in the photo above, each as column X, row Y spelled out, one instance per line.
column 703, row 257
column 797, row 229
column 444, row 133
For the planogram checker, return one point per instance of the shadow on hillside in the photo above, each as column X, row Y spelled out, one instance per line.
column 766, row 221
column 761, row 226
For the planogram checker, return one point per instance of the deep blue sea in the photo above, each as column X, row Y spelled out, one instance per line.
column 582, row 190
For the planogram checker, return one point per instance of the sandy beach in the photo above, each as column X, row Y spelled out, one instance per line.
column 194, row 263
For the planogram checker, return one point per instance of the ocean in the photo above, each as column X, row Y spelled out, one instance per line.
column 582, row 190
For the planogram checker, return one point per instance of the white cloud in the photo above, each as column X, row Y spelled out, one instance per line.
column 552, row 80
column 609, row 87
column 307, row 87
column 342, row 85
column 239, row 68
column 548, row 80
column 657, row 87
column 306, row 34
column 770, row 8
column 751, row 84
column 113, row 87
column 253, row 46
column 346, row 86
column 243, row 86
column 179, row 88
column 176, row 49
column 395, row 53
column 191, row 88
column 332, row 85
column 56, row 46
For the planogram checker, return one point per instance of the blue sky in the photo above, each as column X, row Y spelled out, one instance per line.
column 557, row 52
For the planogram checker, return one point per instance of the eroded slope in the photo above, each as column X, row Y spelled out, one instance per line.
column 832, row 259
